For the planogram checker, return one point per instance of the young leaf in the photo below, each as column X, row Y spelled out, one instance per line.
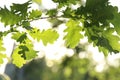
column 35, row 14
column 47, row 36
column 26, row 51
column 30, row 54
column 35, row 33
column 17, row 59
column 73, row 33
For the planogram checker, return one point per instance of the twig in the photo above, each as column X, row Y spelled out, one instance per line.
column 46, row 18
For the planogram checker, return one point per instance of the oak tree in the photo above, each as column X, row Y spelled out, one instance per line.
column 92, row 19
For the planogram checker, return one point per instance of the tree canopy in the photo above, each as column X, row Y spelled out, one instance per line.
column 96, row 19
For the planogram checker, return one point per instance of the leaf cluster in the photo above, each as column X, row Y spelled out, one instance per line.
column 92, row 19
column 19, row 16
column 97, row 18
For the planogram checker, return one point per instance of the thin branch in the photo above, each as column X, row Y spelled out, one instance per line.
column 49, row 17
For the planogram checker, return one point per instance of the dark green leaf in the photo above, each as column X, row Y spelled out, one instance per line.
column 113, row 39
column 52, row 12
column 116, row 21
column 8, row 18
column 19, row 37
column 21, row 9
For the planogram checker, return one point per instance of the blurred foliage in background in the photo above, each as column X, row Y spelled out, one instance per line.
column 71, row 68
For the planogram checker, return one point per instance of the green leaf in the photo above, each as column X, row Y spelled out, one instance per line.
column 63, row 3
column 16, row 14
column 8, row 18
column 35, row 14
column 21, row 9
column 19, row 37
column 31, row 54
column 17, row 59
column 104, row 50
column 2, row 56
column 27, row 51
column 47, row 36
column 116, row 21
column 73, row 33
column 37, row 1
column 68, row 12
column 113, row 39
column 56, row 22
column 35, row 33
column 2, row 49
column 104, row 46
column 1, row 46
column 52, row 12
column 26, row 24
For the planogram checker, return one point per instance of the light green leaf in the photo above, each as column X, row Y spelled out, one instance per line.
column 1, row 46
column 73, row 33
column 2, row 50
column 37, row 1
column 17, row 59
column 30, row 54
column 2, row 56
column 35, row 33
column 47, row 36
column 26, row 49
column 35, row 14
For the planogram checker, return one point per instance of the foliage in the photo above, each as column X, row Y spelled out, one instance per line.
column 71, row 68
column 73, row 33
column 96, row 16
column 2, row 49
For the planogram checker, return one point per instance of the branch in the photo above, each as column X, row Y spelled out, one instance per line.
column 49, row 17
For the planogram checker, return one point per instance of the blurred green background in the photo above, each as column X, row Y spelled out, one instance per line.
column 73, row 67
